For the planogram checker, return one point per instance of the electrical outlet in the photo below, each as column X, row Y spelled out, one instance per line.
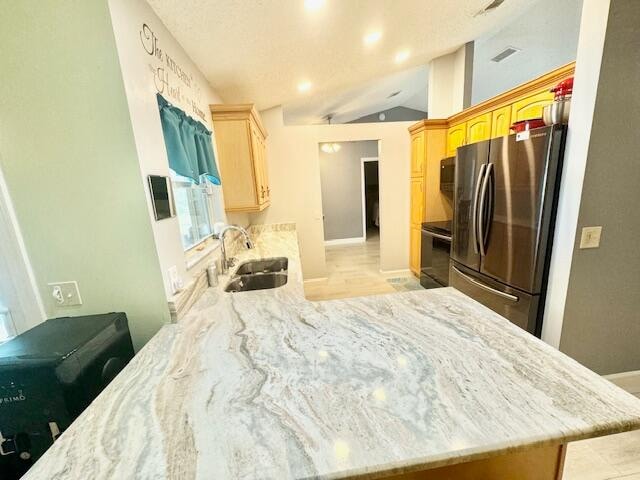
column 65, row 294
column 590, row 237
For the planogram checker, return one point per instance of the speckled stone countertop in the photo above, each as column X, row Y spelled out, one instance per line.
column 266, row 385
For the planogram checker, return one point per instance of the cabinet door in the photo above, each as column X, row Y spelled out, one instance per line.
column 479, row 128
column 501, row 122
column 414, row 250
column 530, row 107
column 235, row 160
column 258, row 164
column 417, row 202
column 418, row 153
column 456, row 136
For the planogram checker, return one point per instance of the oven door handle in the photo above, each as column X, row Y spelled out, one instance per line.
column 437, row 235
column 481, row 285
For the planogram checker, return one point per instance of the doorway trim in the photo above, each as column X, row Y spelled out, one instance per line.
column 363, row 160
column 28, row 309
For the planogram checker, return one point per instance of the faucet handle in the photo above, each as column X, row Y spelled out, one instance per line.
column 231, row 261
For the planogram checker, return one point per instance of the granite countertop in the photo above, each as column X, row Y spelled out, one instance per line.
column 267, row 385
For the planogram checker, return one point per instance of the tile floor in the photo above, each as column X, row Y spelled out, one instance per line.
column 354, row 270
column 605, row 458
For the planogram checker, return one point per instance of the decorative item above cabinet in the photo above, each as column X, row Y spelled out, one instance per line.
column 240, row 139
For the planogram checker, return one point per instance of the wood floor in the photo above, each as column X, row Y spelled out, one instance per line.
column 354, row 270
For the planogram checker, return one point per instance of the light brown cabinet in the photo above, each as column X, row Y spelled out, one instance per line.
column 241, row 141
column 417, row 154
column 501, row 122
column 478, row 128
column 531, row 106
column 427, row 142
column 415, row 235
column 456, row 137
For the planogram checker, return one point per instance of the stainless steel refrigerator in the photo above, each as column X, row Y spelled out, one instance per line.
column 505, row 200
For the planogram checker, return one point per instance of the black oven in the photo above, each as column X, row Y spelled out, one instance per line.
column 447, row 176
column 434, row 254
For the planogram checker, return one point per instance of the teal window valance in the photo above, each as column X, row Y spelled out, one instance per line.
column 188, row 144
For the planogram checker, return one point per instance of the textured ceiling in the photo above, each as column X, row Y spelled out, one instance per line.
column 259, row 50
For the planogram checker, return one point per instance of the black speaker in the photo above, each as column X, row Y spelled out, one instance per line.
column 49, row 375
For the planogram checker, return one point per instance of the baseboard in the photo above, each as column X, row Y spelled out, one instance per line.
column 629, row 381
column 344, row 241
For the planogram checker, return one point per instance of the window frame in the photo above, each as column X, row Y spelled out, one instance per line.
column 178, row 181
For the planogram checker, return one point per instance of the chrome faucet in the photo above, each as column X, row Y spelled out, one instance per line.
column 231, row 261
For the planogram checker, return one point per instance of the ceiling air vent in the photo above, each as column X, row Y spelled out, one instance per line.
column 507, row 52
column 492, row 6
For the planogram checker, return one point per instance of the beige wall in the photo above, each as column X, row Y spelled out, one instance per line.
column 292, row 154
column 447, row 83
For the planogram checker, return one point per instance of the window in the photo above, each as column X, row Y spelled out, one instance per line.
column 194, row 173
column 193, row 209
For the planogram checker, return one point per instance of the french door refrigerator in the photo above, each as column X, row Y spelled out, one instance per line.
column 505, row 199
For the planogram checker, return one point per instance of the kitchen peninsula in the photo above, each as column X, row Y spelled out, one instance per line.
column 265, row 384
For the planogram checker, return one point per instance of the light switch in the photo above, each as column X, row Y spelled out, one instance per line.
column 590, row 237
column 65, row 294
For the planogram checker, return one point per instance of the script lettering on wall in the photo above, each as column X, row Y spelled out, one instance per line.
column 169, row 78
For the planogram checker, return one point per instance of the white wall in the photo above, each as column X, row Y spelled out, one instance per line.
column 294, row 173
column 446, row 87
column 547, row 33
column 142, row 73
column 341, row 182
column 589, row 58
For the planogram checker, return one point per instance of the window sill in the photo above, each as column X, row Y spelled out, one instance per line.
column 200, row 251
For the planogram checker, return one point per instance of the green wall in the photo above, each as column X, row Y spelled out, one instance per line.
column 68, row 154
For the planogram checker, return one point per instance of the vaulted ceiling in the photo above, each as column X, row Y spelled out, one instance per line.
column 259, row 51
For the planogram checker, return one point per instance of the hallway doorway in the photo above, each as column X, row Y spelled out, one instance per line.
column 370, row 187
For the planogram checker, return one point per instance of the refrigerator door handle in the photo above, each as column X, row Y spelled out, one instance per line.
column 474, row 213
column 480, row 214
column 481, row 285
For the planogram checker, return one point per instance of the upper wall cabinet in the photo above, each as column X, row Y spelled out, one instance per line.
column 417, row 154
column 240, row 138
column 479, row 128
column 501, row 122
column 456, row 137
column 531, row 106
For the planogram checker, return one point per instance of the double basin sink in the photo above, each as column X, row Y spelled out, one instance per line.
column 261, row 274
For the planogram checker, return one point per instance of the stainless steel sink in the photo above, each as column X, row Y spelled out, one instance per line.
column 258, row 281
column 263, row 265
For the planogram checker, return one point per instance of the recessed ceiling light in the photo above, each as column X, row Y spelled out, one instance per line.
column 314, row 4
column 372, row 37
column 401, row 56
column 304, row 86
